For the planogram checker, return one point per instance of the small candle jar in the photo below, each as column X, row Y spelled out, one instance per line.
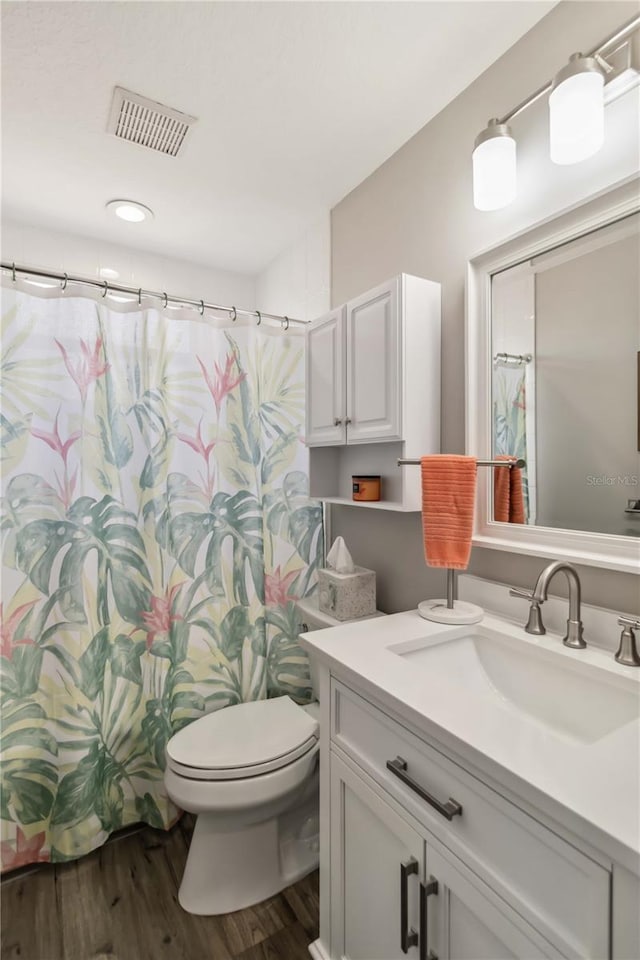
column 366, row 488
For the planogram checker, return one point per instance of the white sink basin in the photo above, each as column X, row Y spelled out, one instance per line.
column 570, row 697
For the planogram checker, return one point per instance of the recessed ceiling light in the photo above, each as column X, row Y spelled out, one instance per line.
column 130, row 210
column 107, row 273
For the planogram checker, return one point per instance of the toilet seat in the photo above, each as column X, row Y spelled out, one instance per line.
column 243, row 741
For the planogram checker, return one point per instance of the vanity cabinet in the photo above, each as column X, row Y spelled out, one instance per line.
column 375, row 854
column 373, row 390
column 478, row 876
column 397, row 895
column 468, row 921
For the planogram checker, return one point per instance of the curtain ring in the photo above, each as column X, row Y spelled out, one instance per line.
column 64, row 282
column 105, row 291
column 13, row 272
column 285, row 323
column 201, row 308
column 165, row 301
column 259, row 316
column 139, row 296
column 233, row 314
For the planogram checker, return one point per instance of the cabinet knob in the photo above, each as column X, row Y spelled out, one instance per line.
column 337, row 422
column 348, row 420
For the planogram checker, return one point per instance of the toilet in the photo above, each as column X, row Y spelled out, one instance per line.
column 250, row 773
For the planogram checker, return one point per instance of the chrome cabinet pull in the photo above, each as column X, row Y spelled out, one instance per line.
column 426, row 890
column 408, row 936
column 450, row 809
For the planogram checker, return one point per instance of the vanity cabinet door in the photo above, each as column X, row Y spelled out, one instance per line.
column 325, row 380
column 466, row 920
column 374, row 356
column 369, row 844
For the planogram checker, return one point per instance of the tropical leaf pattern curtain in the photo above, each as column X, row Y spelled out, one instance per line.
column 156, row 532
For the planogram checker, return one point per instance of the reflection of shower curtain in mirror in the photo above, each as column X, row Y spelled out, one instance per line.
column 157, row 532
column 511, row 431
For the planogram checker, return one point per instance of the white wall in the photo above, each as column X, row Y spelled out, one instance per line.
column 40, row 247
column 298, row 282
column 416, row 214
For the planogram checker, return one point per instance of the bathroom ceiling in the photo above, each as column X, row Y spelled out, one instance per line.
column 296, row 104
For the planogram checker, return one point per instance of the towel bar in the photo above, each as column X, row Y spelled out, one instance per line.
column 428, row 609
column 481, row 463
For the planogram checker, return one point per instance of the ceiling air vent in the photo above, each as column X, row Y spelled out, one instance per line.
column 148, row 123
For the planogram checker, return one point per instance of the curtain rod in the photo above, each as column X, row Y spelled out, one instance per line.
column 518, row 358
column 619, row 36
column 106, row 287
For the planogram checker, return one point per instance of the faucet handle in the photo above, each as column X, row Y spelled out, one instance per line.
column 521, row 594
column 534, row 624
column 628, row 650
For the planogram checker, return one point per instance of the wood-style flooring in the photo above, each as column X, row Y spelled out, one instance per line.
column 121, row 903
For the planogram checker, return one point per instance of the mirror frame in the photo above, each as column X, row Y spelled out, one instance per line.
column 585, row 547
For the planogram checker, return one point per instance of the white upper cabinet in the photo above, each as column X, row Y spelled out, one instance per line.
column 373, row 368
column 373, row 391
column 374, row 365
column 325, row 377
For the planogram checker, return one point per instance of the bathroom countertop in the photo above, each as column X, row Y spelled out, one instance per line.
column 590, row 788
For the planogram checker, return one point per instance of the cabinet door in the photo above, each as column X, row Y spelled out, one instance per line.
column 466, row 920
column 374, row 358
column 370, row 844
column 325, row 380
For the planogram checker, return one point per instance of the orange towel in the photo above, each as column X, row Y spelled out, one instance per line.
column 448, row 499
column 508, row 496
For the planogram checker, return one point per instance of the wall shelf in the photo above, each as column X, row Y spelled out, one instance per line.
column 371, row 504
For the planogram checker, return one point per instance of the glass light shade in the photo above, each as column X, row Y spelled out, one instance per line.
column 494, row 168
column 576, row 112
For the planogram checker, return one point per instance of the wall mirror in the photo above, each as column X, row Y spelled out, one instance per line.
column 553, row 370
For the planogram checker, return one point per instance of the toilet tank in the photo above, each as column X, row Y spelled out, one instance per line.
column 312, row 618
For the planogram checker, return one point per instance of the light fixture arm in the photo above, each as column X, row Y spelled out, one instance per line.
column 614, row 39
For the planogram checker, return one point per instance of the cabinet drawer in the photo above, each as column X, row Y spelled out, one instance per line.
column 560, row 891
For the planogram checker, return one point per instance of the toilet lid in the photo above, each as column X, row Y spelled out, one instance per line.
column 243, row 740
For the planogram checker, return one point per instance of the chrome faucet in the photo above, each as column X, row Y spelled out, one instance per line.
column 573, row 637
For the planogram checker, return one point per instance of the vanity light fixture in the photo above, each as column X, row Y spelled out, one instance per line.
column 494, row 167
column 576, row 111
column 577, row 95
column 129, row 210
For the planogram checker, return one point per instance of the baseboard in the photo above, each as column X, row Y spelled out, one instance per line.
column 317, row 950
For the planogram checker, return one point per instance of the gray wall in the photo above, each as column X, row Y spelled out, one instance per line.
column 587, row 326
column 415, row 214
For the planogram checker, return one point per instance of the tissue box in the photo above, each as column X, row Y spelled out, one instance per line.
column 347, row 595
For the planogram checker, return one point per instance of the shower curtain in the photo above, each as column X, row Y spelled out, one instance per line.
column 156, row 532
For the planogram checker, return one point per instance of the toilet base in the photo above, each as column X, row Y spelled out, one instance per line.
column 234, row 869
